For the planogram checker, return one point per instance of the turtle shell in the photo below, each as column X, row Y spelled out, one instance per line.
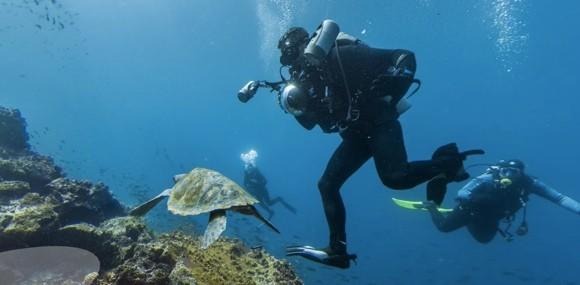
column 204, row 190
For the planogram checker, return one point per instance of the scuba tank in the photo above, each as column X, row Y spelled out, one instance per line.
column 321, row 42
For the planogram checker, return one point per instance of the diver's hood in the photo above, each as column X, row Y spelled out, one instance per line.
column 290, row 45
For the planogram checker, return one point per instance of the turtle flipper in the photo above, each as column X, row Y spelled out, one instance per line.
column 215, row 227
column 253, row 211
column 144, row 208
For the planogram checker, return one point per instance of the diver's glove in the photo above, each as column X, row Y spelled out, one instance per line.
column 451, row 161
column 395, row 83
column 324, row 256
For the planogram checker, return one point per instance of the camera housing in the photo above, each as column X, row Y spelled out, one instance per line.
column 248, row 91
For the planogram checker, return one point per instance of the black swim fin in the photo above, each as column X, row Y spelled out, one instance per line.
column 252, row 211
column 324, row 255
column 264, row 220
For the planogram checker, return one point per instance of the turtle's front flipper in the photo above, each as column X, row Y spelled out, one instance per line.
column 215, row 227
column 144, row 208
column 253, row 211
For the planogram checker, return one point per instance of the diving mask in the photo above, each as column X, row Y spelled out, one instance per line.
column 291, row 45
column 508, row 175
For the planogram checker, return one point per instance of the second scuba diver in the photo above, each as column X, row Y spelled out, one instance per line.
column 494, row 196
column 255, row 183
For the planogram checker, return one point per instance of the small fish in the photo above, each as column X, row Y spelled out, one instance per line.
column 38, row 26
column 36, row 2
column 61, row 25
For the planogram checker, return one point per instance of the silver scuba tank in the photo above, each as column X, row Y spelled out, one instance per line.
column 322, row 41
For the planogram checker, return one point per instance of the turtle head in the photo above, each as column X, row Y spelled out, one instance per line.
column 178, row 177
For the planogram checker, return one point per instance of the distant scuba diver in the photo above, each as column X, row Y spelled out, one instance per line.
column 255, row 183
column 344, row 86
column 494, row 196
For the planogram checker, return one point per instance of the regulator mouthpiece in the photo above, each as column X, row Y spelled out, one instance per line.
column 505, row 182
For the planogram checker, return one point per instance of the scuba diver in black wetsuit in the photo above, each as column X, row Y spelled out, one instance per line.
column 494, row 196
column 344, row 86
column 255, row 183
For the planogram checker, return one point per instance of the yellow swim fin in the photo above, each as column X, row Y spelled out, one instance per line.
column 416, row 205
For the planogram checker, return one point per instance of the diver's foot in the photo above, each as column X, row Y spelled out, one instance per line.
column 426, row 205
column 460, row 175
column 325, row 255
column 340, row 260
column 452, row 161
column 429, row 205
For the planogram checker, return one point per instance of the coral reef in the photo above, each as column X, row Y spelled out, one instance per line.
column 13, row 130
column 178, row 259
column 39, row 206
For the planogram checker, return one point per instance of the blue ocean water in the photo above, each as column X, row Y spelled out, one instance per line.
column 131, row 92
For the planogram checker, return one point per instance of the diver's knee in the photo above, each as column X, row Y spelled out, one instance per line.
column 445, row 229
column 484, row 237
column 483, row 240
column 394, row 182
column 326, row 185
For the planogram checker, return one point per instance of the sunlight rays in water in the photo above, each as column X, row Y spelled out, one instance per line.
column 274, row 18
column 509, row 31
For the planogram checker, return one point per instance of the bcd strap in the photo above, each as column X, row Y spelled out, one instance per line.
column 522, row 228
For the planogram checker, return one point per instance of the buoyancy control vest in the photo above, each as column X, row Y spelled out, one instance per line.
column 325, row 44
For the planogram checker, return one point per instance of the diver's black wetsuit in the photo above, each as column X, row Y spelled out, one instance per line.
column 377, row 133
column 255, row 182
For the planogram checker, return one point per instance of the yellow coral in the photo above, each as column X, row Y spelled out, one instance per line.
column 228, row 262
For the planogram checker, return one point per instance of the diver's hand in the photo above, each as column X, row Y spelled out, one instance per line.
column 324, row 256
column 394, row 84
column 381, row 84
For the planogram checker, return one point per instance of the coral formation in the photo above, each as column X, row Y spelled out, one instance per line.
column 34, row 169
column 13, row 130
column 39, row 206
column 14, row 189
column 178, row 259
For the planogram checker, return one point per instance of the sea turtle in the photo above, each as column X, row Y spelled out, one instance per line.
column 203, row 190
